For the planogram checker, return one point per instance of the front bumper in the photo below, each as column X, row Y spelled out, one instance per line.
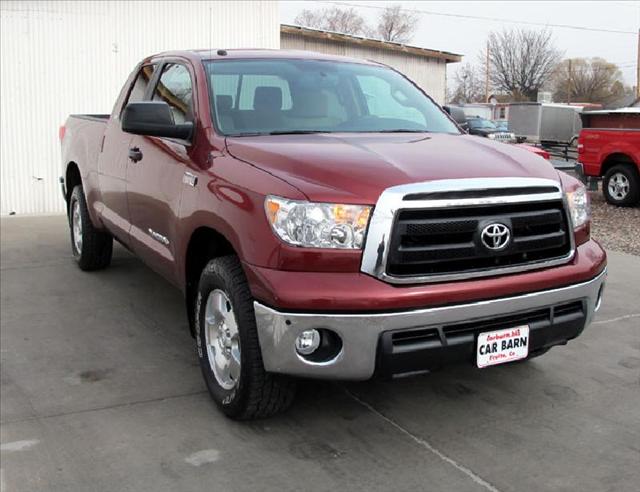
column 365, row 336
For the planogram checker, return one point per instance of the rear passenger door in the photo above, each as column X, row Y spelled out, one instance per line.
column 155, row 182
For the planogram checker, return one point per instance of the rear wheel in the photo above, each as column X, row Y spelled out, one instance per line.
column 228, row 346
column 621, row 185
column 91, row 248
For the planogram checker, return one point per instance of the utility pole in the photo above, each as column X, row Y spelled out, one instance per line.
column 569, row 84
column 486, row 76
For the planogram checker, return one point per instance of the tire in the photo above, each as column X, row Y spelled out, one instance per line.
column 94, row 249
column 226, row 333
column 621, row 185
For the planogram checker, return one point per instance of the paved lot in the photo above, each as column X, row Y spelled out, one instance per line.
column 101, row 391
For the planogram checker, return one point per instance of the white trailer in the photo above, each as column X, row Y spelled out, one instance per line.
column 545, row 123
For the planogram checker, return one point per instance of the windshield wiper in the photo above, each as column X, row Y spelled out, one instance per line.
column 294, row 132
column 402, row 130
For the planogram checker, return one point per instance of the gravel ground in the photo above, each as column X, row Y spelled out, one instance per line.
column 617, row 228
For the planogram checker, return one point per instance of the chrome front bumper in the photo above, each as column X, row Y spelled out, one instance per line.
column 360, row 333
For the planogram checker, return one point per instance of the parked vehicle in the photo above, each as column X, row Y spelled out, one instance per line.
column 543, row 123
column 488, row 129
column 457, row 114
column 609, row 148
column 502, row 125
column 324, row 218
column 477, row 110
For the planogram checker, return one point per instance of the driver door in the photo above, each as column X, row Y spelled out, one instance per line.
column 155, row 180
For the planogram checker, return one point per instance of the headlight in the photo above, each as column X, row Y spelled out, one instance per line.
column 579, row 206
column 317, row 225
column 492, row 136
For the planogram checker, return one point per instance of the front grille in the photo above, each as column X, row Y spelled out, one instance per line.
column 444, row 241
column 502, row 137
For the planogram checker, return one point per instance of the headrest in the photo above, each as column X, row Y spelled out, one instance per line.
column 224, row 102
column 267, row 98
column 311, row 104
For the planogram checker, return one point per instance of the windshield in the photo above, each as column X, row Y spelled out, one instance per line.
column 480, row 123
column 308, row 96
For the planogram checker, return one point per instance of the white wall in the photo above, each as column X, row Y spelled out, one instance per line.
column 59, row 58
column 428, row 73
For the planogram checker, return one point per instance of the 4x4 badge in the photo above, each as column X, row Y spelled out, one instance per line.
column 495, row 236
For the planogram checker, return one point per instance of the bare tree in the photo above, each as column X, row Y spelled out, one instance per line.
column 468, row 85
column 521, row 61
column 396, row 25
column 346, row 21
column 587, row 80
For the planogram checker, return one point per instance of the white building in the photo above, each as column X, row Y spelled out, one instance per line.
column 69, row 57
column 427, row 68
column 65, row 57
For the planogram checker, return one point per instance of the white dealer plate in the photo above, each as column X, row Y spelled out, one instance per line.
column 498, row 347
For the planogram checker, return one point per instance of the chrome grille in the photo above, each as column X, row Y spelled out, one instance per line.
column 429, row 232
column 447, row 240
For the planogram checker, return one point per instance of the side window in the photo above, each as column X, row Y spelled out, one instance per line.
column 136, row 94
column 382, row 103
column 175, row 88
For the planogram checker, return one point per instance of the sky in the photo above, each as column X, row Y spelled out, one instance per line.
column 468, row 36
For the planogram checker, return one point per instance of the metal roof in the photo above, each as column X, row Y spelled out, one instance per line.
column 369, row 42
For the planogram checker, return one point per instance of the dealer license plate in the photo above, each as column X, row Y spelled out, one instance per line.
column 498, row 347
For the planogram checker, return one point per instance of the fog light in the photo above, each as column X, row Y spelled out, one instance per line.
column 307, row 342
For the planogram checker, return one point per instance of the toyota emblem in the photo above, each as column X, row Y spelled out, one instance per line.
column 495, row 236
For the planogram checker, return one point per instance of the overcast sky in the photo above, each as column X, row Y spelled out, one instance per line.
column 468, row 36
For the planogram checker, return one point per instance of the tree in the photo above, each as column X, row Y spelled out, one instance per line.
column 469, row 85
column 396, row 25
column 521, row 61
column 587, row 80
column 346, row 21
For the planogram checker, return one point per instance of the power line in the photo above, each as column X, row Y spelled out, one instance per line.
column 479, row 17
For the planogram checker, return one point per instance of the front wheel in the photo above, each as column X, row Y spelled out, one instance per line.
column 621, row 185
column 228, row 346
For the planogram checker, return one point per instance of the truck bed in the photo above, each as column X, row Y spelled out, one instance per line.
column 81, row 139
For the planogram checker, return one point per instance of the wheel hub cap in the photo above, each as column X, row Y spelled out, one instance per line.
column 618, row 186
column 76, row 226
column 222, row 339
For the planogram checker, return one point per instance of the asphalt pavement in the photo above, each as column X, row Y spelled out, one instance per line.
column 101, row 391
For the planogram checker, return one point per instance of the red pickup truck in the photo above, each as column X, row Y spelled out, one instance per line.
column 324, row 218
column 609, row 148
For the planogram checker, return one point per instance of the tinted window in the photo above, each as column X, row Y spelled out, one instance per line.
column 141, row 83
column 175, row 88
column 481, row 124
column 279, row 95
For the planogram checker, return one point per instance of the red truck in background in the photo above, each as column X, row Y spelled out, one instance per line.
column 609, row 148
column 325, row 218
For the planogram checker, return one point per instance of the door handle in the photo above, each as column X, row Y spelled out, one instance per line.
column 134, row 154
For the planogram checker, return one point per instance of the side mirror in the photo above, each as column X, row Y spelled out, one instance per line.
column 153, row 118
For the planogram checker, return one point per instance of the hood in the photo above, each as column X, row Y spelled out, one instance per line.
column 357, row 168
